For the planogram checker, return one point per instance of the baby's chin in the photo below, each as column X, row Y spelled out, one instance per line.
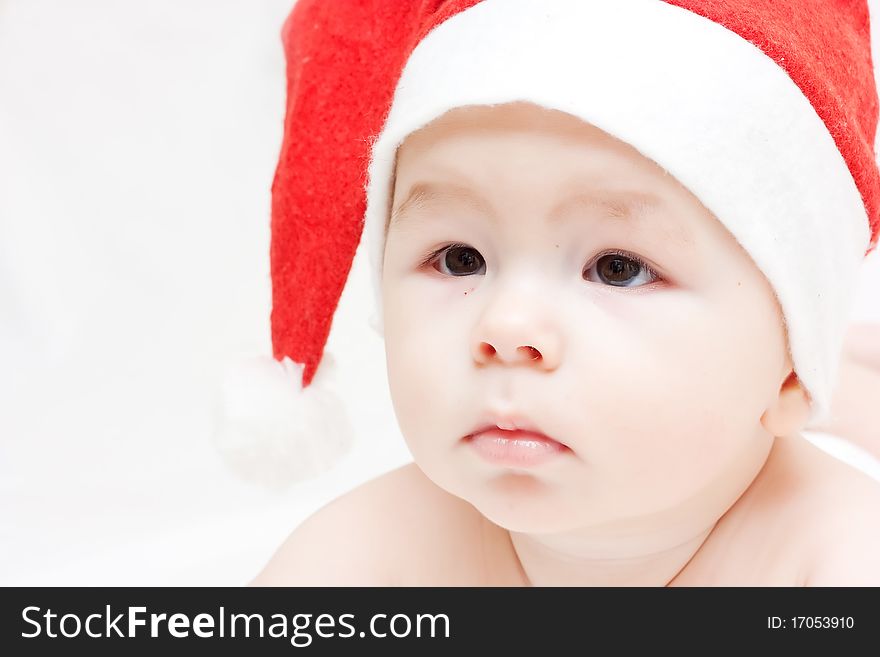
column 525, row 503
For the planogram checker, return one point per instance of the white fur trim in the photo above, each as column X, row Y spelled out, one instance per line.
column 702, row 102
column 271, row 431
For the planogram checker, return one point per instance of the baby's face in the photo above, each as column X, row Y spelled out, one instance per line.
column 653, row 365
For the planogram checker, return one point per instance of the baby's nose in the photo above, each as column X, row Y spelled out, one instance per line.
column 543, row 349
column 488, row 351
column 518, row 325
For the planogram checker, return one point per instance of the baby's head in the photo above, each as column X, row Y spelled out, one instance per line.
column 539, row 270
column 634, row 226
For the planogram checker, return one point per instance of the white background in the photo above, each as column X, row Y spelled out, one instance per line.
column 137, row 147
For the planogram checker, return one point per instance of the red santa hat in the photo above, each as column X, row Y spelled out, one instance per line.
column 766, row 111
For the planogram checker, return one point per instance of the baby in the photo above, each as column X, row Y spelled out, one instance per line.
column 602, row 381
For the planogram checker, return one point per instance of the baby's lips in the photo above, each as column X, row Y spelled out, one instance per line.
column 510, row 422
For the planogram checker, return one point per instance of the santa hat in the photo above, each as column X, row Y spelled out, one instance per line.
column 766, row 111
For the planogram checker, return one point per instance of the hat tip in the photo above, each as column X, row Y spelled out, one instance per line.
column 270, row 430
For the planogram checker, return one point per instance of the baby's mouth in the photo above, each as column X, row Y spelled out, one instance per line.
column 512, row 423
column 514, row 447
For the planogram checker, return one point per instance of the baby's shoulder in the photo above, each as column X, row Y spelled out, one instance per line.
column 833, row 511
column 397, row 529
column 806, row 519
column 845, row 505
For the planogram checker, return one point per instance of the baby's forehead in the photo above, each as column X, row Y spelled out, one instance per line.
column 615, row 201
column 478, row 146
column 471, row 155
column 432, row 184
column 509, row 116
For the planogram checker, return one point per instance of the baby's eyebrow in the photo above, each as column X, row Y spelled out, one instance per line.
column 621, row 204
column 617, row 204
column 422, row 194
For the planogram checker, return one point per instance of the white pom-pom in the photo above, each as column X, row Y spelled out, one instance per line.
column 272, row 431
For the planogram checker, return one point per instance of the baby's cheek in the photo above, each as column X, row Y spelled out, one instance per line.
column 407, row 372
column 660, row 410
column 421, row 384
column 661, row 454
column 724, row 388
column 428, row 412
column 707, row 352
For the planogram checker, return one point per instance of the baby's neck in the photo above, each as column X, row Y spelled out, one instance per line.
column 603, row 561
column 651, row 550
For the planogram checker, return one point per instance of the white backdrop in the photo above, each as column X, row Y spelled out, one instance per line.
column 137, row 146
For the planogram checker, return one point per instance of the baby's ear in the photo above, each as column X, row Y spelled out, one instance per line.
column 790, row 410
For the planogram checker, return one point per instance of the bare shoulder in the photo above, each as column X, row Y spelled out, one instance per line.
column 848, row 540
column 838, row 508
column 381, row 533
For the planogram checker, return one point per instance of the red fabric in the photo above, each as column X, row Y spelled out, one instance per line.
column 825, row 47
column 343, row 63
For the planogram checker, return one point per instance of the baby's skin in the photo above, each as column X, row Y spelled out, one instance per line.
column 806, row 520
column 537, row 269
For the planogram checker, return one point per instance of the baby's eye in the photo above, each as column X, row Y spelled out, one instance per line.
column 458, row 260
column 620, row 269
